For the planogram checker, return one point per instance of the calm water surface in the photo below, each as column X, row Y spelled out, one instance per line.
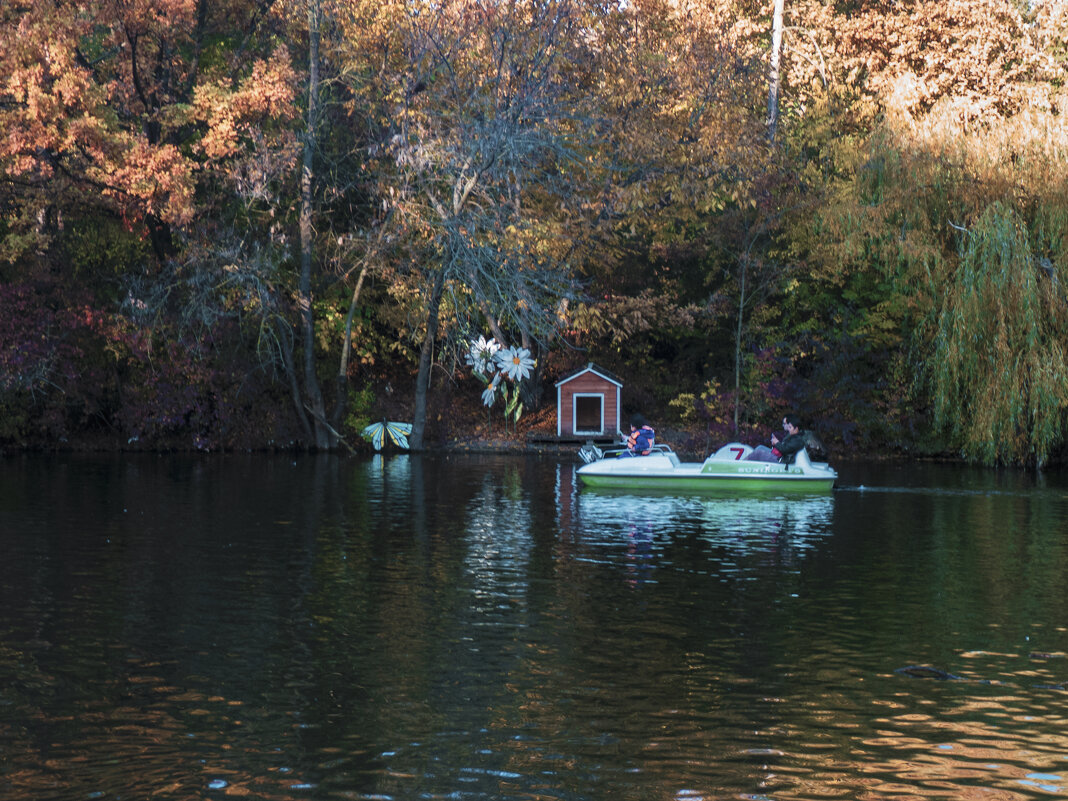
column 476, row 627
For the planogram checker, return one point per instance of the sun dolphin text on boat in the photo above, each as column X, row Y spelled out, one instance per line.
column 727, row 468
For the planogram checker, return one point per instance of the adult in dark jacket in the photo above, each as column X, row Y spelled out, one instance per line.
column 787, row 447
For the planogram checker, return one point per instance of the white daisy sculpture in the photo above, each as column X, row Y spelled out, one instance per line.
column 490, row 393
column 497, row 367
column 515, row 363
column 481, row 356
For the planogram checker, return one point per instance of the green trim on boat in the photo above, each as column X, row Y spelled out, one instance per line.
column 704, row 482
column 727, row 469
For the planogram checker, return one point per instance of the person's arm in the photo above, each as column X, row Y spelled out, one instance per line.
column 791, row 445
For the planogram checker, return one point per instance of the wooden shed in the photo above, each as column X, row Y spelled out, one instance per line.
column 587, row 404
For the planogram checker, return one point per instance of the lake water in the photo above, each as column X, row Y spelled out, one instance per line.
column 478, row 627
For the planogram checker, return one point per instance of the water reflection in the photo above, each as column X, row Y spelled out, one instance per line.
column 498, row 527
column 387, row 481
column 728, row 519
column 727, row 537
column 481, row 628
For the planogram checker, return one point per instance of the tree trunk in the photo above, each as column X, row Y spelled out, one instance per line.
column 286, row 346
column 313, row 394
column 426, row 358
column 530, row 388
column 342, row 396
column 774, row 76
column 738, row 340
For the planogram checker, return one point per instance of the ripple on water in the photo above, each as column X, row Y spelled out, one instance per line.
column 406, row 629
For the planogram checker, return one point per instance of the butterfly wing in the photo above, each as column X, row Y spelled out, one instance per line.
column 398, row 433
column 375, row 431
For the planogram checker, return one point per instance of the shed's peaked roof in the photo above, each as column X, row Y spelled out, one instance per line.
column 592, row 368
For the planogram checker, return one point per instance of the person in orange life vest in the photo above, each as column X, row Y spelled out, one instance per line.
column 641, row 439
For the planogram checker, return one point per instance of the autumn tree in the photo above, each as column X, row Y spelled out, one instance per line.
column 919, row 122
column 114, row 117
column 692, row 192
column 101, row 104
column 271, row 246
column 483, row 134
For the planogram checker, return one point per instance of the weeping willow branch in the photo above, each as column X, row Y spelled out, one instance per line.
column 999, row 371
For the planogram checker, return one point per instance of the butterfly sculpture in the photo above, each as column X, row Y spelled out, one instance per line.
column 397, row 433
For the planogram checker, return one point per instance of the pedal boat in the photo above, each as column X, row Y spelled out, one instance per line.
column 726, row 469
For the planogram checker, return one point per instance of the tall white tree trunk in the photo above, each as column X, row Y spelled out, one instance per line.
column 738, row 331
column 774, row 78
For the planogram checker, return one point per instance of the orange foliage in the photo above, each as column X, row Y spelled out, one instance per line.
column 234, row 115
column 110, row 103
column 979, row 55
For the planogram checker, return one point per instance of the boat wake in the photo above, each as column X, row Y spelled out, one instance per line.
column 933, row 491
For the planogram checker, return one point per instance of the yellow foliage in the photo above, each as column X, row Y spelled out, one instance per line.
column 683, row 406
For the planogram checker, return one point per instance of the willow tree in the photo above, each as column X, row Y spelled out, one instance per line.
column 998, row 368
column 906, row 118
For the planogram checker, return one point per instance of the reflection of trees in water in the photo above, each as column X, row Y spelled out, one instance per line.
column 927, row 739
column 136, row 733
column 499, row 540
column 157, row 573
column 406, row 628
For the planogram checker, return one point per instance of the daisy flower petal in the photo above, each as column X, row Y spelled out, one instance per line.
column 515, row 363
column 480, row 354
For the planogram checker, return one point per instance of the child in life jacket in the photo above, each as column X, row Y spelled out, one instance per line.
column 641, row 439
